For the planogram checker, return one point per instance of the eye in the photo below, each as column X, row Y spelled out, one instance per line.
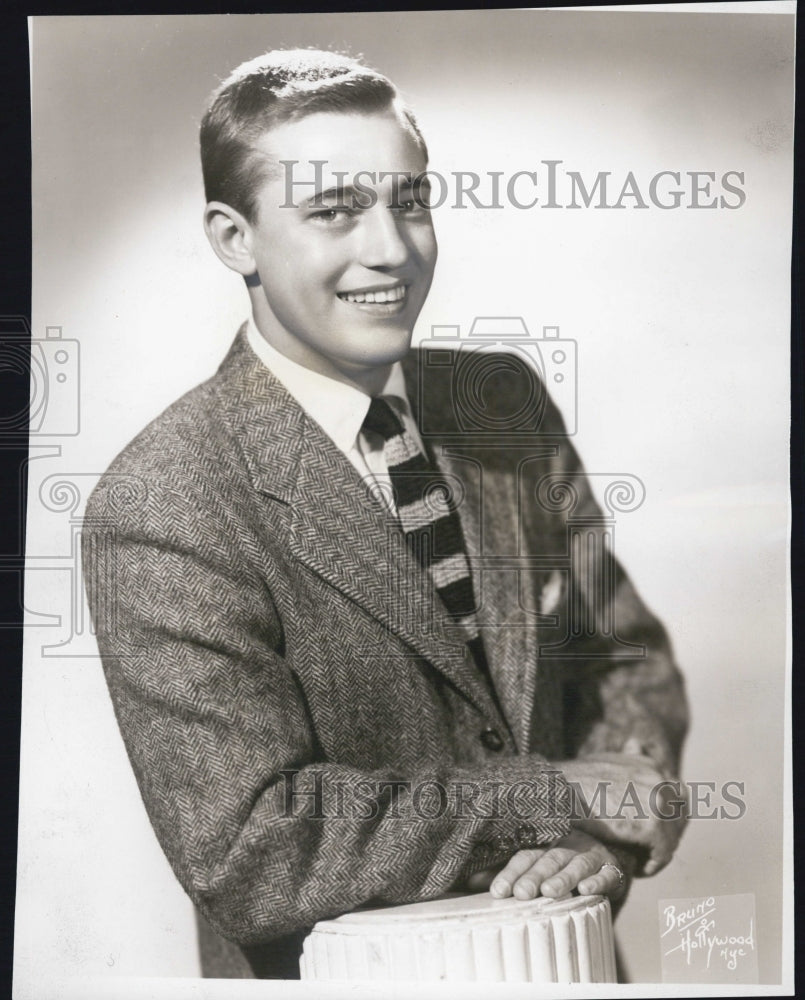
column 407, row 206
column 329, row 215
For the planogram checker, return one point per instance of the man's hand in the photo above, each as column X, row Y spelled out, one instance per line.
column 618, row 798
column 624, row 798
column 573, row 862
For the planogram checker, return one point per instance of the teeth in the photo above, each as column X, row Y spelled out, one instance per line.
column 385, row 295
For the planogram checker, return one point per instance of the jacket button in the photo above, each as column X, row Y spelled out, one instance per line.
column 491, row 739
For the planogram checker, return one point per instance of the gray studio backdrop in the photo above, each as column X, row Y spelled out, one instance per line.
column 681, row 321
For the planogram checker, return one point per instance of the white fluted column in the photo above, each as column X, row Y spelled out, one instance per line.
column 468, row 938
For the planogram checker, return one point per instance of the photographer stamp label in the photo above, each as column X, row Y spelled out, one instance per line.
column 708, row 939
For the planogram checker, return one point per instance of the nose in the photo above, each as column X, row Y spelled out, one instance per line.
column 382, row 243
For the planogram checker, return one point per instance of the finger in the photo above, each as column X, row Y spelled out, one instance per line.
column 658, row 860
column 578, row 868
column 605, row 882
column 527, row 886
column 507, row 876
column 661, row 853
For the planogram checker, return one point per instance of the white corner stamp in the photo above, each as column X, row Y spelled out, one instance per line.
column 709, row 939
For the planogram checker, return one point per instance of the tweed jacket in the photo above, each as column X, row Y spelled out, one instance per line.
column 296, row 710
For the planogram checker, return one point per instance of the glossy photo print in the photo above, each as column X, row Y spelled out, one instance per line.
column 406, row 583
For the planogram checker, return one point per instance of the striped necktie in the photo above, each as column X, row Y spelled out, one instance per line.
column 429, row 520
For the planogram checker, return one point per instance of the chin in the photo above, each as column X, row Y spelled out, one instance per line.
column 389, row 349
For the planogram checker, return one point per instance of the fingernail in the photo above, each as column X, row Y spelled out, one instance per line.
column 525, row 889
column 500, row 887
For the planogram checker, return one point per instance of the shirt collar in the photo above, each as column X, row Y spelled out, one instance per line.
column 339, row 409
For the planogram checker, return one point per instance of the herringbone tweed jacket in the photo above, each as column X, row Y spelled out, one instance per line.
column 277, row 660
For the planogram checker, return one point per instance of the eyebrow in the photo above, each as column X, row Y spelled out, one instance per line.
column 359, row 194
column 333, row 192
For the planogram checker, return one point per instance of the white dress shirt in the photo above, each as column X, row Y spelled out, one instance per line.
column 340, row 409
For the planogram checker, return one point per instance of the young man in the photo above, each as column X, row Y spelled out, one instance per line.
column 335, row 685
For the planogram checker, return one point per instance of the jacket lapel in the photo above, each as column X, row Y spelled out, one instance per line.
column 494, row 511
column 336, row 527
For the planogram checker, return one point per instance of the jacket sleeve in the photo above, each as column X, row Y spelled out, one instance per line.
column 614, row 658
column 263, row 833
column 619, row 679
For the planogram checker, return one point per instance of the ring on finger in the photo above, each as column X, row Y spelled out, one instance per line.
column 621, row 876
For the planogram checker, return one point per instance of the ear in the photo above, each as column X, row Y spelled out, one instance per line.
column 230, row 236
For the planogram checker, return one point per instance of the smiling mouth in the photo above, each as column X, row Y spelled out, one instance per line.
column 378, row 296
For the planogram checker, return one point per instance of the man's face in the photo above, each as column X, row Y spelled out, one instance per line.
column 343, row 275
